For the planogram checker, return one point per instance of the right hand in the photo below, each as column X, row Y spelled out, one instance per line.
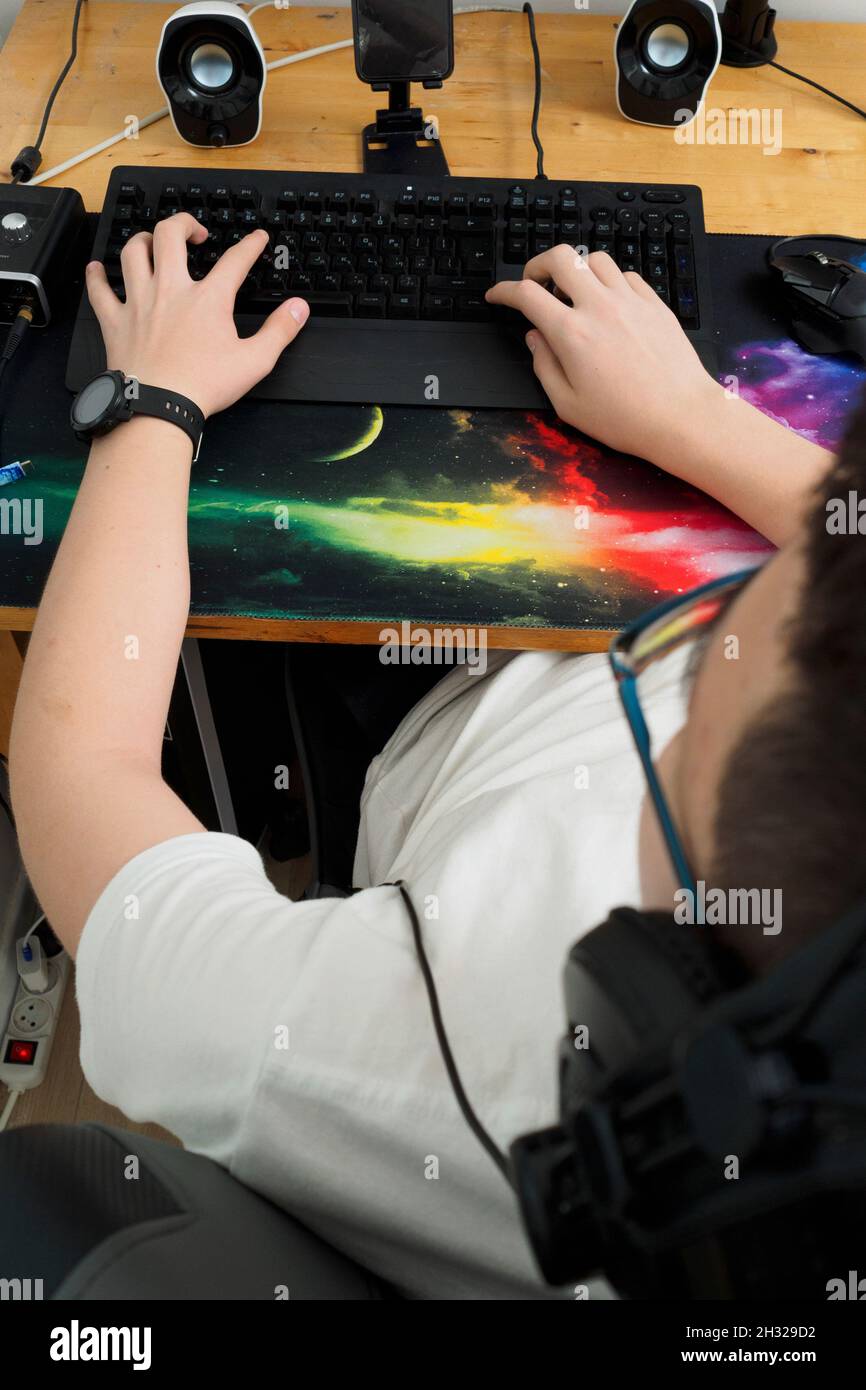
column 614, row 360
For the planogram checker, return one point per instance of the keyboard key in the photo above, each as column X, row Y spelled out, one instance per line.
column 437, row 306
column 403, row 306
column 457, row 284
column 684, row 263
column 686, row 299
column 371, row 306
column 664, row 195
column 472, row 308
column 332, row 304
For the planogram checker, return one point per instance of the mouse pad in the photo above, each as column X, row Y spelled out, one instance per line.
column 460, row 517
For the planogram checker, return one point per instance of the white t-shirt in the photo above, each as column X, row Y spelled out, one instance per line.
column 353, row 1127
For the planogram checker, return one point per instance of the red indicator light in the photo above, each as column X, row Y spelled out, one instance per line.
column 21, row 1052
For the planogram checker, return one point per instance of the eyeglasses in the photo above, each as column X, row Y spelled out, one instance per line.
column 654, row 635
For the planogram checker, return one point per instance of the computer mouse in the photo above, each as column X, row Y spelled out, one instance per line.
column 825, row 293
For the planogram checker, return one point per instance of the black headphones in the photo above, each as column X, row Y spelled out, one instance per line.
column 712, row 1133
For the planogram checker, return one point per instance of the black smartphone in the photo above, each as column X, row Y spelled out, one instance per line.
column 403, row 40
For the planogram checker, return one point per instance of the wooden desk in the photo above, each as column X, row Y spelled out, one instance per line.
column 315, row 112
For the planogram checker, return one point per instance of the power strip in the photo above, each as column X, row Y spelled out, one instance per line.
column 26, row 1046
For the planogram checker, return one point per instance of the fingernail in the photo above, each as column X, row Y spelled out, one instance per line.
column 531, row 341
column 299, row 310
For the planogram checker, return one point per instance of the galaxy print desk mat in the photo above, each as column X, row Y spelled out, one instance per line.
column 459, row 517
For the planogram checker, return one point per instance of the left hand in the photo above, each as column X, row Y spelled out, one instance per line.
column 179, row 333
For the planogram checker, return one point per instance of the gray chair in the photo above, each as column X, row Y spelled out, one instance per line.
column 182, row 1228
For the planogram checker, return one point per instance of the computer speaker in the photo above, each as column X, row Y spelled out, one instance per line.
column 212, row 69
column 667, row 52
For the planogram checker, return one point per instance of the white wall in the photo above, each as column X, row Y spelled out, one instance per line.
column 849, row 10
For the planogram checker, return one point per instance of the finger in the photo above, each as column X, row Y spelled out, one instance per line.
column 235, row 264
column 280, row 328
column 104, row 302
column 136, row 261
column 169, row 243
column 566, row 268
column 537, row 304
column 548, row 369
column 639, row 285
column 605, row 269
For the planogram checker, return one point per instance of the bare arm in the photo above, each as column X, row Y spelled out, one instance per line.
column 87, row 788
column 616, row 363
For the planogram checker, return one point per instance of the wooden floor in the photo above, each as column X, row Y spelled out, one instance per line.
column 65, row 1097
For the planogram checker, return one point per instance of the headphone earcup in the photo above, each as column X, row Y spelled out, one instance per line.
column 636, row 981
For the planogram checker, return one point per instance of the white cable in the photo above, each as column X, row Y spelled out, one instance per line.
column 9, row 1107
column 96, row 149
column 265, row 5
column 38, row 922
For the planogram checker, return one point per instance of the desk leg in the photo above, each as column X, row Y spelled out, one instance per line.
column 193, row 761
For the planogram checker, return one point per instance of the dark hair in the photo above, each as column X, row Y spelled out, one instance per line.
column 791, row 809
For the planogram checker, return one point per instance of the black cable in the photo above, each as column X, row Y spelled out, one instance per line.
column 533, row 39
column 29, row 159
column 59, row 83
column 469, row 1115
column 789, row 72
column 22, row 322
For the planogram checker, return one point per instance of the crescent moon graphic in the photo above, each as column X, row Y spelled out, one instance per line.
column 370, row 437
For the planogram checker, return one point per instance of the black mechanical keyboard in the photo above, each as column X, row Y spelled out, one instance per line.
column 395, row 271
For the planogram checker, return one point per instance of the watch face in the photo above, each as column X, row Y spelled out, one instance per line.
column 94, row 400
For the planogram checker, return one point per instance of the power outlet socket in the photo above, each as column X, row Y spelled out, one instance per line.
column 32, row 1024
column 31, row 1015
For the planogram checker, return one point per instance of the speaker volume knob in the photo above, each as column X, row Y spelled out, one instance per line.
column 217, row 135
column 16, row 227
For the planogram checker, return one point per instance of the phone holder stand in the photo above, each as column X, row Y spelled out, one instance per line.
column 400, row 141
column 748, row 34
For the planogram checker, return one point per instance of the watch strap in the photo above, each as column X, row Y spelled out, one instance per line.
column 162, row 404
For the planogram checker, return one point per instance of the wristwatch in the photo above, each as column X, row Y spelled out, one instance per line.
column 112, row 397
